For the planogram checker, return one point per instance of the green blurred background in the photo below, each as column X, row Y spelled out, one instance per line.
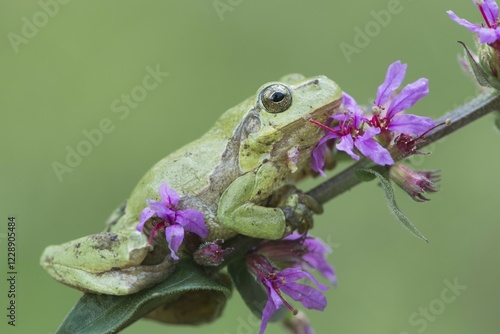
column 64, row 78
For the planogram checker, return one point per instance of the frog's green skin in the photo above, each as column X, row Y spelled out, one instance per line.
column 230, row 174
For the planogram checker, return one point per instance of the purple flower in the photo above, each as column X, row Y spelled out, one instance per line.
column 355, row 132
column 299, row 251
column 489, row 10
column 387, row 107
column 315, row 256
column 278, row 281
column 351, row 135
column 174, row 221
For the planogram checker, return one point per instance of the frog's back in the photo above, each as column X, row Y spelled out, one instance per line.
column 199, row 171
column 186, row 170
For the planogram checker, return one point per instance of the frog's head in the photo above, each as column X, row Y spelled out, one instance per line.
column 283, row 110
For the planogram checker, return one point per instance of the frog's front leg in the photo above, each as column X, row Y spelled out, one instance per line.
column 239, row 211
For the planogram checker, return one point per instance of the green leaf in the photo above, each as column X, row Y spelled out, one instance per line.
column 364, row 176
column 391, row 202
column 481, row 76
column 109, row 314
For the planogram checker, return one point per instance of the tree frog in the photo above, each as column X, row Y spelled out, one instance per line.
column 240, row 175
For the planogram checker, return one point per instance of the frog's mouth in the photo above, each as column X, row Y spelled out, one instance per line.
column 322, row 113
column 321, row 84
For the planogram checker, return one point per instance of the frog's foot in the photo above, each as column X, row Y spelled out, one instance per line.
column 298, row 210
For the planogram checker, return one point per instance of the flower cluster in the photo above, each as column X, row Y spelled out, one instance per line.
column 488, row 34
column 295, row 254
column 356, row 132
column 173, row 220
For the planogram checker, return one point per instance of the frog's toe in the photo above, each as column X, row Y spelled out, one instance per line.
column 299, row 218
column 299, row 209
column 311, row 203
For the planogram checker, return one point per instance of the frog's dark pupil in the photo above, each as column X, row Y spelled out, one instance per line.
column 277, row 96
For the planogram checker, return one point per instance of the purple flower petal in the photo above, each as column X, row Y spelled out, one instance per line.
column 319, row 263
column 315, row 258
column 293, row 236
column 192, row 221
column 487, row 35
column 295, row 274
column 145, row 215
column 319, row 152
column 307, row 295
column 349, row 102
column 373, row 150
column 174, row 235
column 490, row 9
column 161, row 210
column 463, row 22
column 346, row 144
column 408, row 97
column 410, row 124
column 393, row 79
column 273, row 303
column 354, row 110
column 168, row 195
column 320, row 286
column 318, row 158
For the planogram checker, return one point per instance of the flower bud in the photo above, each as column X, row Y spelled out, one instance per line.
column 211, row 253
column 415, row 183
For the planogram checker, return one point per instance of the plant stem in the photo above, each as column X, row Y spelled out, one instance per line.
column 346, row 179
column 457, row 118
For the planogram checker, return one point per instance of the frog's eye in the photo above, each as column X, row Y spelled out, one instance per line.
column 275, row 98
